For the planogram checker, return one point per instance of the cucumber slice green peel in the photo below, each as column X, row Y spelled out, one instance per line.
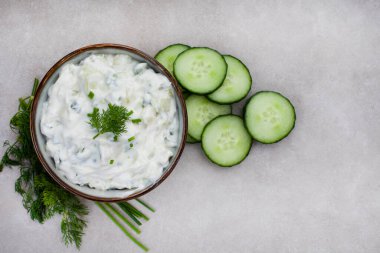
column 200, row 70
column 226, row 141
column 200, row 111
column 190, row 139
column 269, row 117
column 185, row 94
column 236, row 85
column 168, row 55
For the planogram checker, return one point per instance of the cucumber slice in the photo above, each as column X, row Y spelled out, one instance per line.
column 190, row 139
column 200, row 70
column 236, row 85
column 226, row 141
column 168, row 55
column 269, row 116
column 200, row 111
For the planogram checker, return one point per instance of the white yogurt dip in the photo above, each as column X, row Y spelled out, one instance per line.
column 103, row 163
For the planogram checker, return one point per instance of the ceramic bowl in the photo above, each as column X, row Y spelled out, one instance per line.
column 39, row 140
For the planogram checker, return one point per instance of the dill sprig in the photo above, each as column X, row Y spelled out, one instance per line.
column 41, row 196
column 111, row 120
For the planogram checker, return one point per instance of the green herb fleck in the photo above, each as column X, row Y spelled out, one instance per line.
column 91, row 95
column 111, row 120
column 131, row 145
column 111, row 162
column 136, row 121
column 131, row 139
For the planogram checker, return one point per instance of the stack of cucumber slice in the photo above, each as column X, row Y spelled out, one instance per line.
column 210, row 83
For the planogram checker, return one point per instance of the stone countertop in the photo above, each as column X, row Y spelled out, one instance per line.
column 316, row 191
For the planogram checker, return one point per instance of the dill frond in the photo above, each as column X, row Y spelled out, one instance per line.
column 111, row 120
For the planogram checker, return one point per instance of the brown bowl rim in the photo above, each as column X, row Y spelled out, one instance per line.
column 33, row 130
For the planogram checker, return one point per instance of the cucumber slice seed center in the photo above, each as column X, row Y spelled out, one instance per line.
column 227, row 140
column 199, row 68
column 270, row 115
column 203, row 114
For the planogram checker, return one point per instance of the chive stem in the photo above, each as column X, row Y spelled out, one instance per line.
column 133, row 227
column 129, row 213
column 133, row 211
column 137, row 212
column 35, row 85
column 117, row 223
column 146, row 205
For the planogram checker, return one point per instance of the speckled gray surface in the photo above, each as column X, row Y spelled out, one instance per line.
column 316, row 191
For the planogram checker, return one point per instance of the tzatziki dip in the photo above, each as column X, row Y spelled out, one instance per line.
column 139, row 156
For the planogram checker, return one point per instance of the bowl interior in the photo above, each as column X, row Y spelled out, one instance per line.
column 84, row 191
